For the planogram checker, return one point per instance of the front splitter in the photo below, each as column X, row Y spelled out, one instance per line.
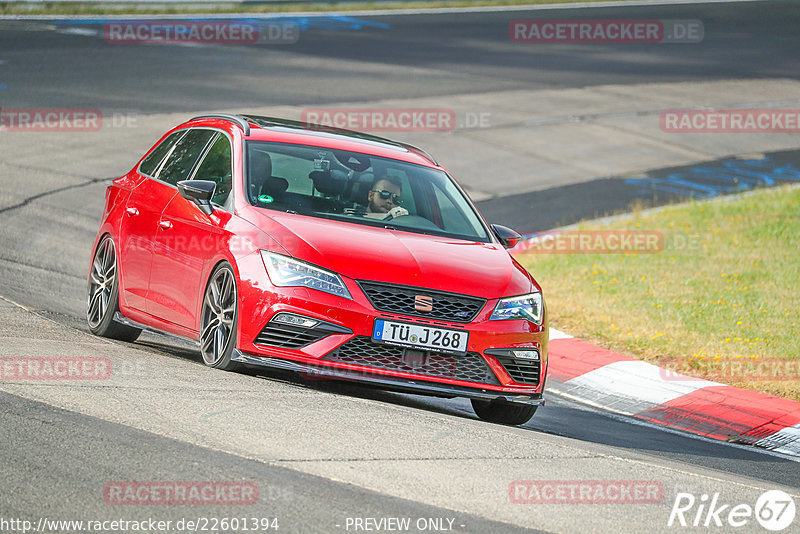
column 386, row 382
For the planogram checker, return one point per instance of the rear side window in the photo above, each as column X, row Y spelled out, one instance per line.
column 180, row 163
column 150, row 164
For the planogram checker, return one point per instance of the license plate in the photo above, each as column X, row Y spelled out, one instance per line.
column 420, row 336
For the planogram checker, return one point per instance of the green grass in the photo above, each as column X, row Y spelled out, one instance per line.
column 722, row 296
column 110, row 8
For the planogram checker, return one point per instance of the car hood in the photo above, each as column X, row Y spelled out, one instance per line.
column 364, row 252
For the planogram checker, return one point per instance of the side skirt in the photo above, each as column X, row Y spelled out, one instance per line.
column 119, row 318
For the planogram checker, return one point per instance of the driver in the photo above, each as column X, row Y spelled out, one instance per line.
column 383, row 199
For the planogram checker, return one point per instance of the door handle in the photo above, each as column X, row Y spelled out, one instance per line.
column 132, row 211
column 166, row 225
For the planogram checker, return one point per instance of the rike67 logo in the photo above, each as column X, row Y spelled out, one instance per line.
column 774, row 510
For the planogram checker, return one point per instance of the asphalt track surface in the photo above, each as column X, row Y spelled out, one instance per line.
column 446, row 54
column 55, row 458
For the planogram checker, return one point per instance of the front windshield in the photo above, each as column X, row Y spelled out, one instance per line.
column 358, row 188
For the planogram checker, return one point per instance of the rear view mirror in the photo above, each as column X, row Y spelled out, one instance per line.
column 508, row 237
column 199, row 192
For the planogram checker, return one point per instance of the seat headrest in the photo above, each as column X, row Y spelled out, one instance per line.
column 361, row 187
column 259, row 164
column 259, row 170
column 330, row 183
column 274, row 186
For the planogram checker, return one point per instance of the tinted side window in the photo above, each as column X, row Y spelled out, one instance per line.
column 216, row 167
column 150, row 164
column 180, row 163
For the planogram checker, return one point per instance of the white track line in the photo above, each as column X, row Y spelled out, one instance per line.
column 558, row 334
column 631, row 387
column 677, row 431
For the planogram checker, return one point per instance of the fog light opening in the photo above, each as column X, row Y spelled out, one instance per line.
column 530, row 355
column 294, row 320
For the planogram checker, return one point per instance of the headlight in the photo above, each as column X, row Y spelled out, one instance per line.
column 286, row 272
column 525, row 307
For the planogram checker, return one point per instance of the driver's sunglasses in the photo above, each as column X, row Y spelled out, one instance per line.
column 386, row 195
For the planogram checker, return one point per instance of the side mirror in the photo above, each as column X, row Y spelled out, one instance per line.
column 508, row 237
column 199, row 192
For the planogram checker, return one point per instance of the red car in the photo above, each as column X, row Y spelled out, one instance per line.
column 328, row 252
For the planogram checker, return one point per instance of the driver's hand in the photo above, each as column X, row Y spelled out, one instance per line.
column 397, row 211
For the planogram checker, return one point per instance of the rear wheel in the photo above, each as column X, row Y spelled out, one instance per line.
column 502, row 412
column 103, row 301
column 219, row 319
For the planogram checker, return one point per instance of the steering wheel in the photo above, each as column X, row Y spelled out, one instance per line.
column 416, row 221
column 397, row 211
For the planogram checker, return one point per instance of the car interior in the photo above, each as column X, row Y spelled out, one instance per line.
column 335, row 184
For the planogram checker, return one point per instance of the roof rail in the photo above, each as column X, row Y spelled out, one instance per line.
column 228, row 117
column 267, row 122
column 419, row 151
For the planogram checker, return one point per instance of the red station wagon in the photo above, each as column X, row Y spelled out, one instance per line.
column 328, row 252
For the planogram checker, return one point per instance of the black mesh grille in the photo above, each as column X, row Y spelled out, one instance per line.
column 400, row 300
column 522, row 371
column 276, row 334
column 288, row 337
column 361, row 350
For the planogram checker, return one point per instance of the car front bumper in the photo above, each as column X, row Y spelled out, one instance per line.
column 488, row 376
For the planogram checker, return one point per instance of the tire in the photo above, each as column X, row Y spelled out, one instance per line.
column 103, row 299
column 219, row 319
column 502, row 412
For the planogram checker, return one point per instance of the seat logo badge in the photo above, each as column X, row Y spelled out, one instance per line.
column 423, row 303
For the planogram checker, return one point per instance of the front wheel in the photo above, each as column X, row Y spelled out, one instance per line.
column 103, row 301
column 219, row 319
column 502, row 412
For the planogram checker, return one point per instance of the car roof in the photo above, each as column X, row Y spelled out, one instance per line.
column 260, row 128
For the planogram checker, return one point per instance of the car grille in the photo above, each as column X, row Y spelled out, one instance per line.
column 401, row 300
column 360, row 350
column 522, row 371
column 286, row 336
